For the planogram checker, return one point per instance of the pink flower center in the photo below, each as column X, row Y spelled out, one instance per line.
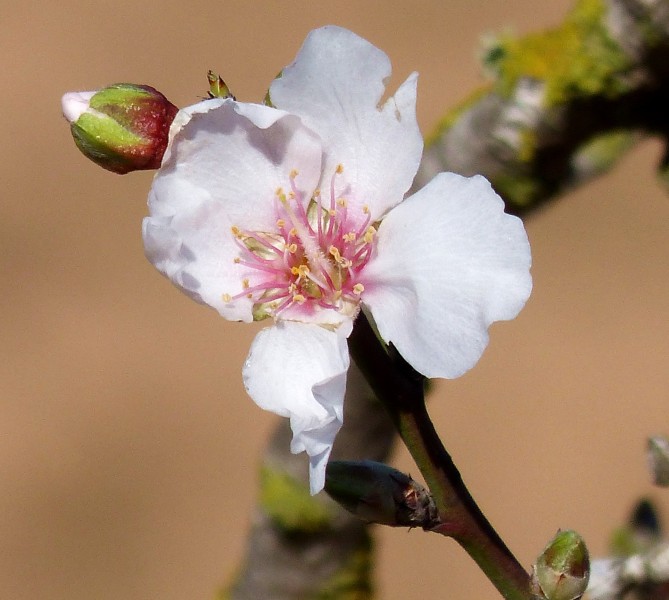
column 311, row 261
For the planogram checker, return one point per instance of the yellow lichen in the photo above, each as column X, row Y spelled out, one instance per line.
column 290, row 506
column 575, row 60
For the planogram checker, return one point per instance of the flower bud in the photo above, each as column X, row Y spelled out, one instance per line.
column 563, row 568
column 123, row 127
column 217, row 87
column 658, row 459
column 378, row 493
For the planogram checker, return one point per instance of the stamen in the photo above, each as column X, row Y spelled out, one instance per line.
column 311, row 256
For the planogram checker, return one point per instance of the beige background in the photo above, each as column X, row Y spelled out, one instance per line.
column 128, row 450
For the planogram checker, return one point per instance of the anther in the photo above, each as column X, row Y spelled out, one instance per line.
column 358, row 289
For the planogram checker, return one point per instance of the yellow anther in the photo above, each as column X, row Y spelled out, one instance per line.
column 249, row 296
column 334, row 251
column 342, row 202
column 332, row 212
column 358, row 289
column 281, row 195
column 280, row 223
column 369, row 235
column 245, row 284
column 292, row 248
column 235, row 231
column 349, row 237
column 317, row 193
column 340, row 169
column 292, row 232
column 365, row 209
column 292, row 288
column 299, row 298
column 293, row 174
column 300, row 270
column 226, row 298
column 236, row 260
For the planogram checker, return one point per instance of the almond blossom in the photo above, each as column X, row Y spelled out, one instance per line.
column 296, row 213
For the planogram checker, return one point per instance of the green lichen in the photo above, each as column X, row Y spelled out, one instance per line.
column 455, row 113
column 223, row 594
column 518, row 190
column 601, row 152
column 353, row 580
column 528, row 145
column 289, row 505
column 577, row 59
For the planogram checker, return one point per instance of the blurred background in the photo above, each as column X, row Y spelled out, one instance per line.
column 128, row 449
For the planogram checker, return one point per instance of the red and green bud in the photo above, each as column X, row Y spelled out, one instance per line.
column 563, row 569
column 378, row 493
column 123, row 127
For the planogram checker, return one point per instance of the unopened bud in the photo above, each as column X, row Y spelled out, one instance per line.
column 563, row 569
column 658, row 459
column 123, row 127
column 217, row 87
column 378, row 493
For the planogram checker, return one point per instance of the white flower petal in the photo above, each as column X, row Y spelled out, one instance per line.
column 225, row 164
column 238, row 155
column 335, row 85
column 298, row 370
column 76, row 104
column 449, row 262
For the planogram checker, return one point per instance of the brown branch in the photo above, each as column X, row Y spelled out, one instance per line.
column 560, row 101
column 308, row 547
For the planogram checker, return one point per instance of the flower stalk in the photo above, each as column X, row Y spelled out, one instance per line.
column 401, row 390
